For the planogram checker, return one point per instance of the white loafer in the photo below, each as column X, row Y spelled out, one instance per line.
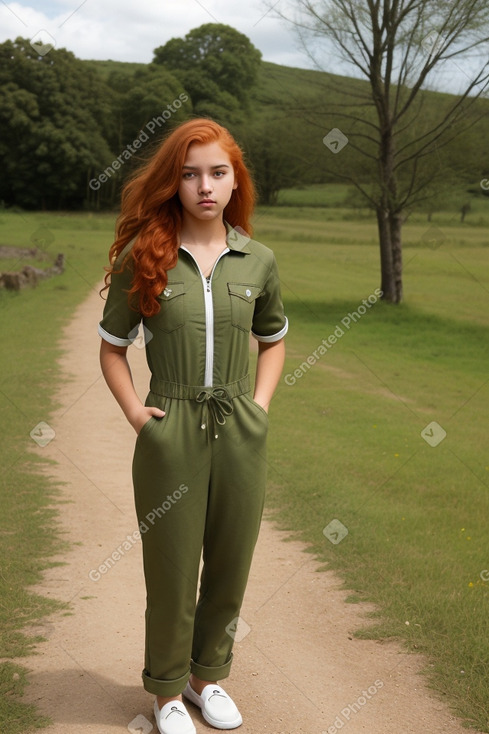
column 218, row 709
column 173, row 718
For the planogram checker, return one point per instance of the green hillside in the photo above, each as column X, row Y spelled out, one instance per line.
column 292, row 110
column 91, row 111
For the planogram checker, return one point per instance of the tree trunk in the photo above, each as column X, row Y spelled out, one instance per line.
column 390, row 228
column 386, row 264
column 268, row 195
column 389, row 220
column 395, row 221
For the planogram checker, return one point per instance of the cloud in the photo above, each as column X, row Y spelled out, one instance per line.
column 127, row 31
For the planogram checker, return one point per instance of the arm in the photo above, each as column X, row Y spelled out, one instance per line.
column 269, row 367
column 117, row 373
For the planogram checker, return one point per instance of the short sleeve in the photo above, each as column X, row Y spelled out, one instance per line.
column 120, row 322
column 269, row 321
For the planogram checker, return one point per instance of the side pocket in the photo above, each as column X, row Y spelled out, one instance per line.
column 258, row 408
column 153, row 422
column 148, row 426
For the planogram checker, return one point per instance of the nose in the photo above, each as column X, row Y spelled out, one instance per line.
column 205, row 184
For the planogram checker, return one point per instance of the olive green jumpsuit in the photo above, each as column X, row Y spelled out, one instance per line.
column 199, row 472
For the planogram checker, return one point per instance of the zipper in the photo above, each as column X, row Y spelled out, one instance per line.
column 209, row 318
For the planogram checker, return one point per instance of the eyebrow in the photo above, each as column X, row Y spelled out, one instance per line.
column 196, row 168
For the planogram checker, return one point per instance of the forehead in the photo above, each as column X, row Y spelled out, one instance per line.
column 210, row 154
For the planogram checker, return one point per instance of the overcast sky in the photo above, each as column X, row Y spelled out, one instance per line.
column 129, row 30
column 125, row 30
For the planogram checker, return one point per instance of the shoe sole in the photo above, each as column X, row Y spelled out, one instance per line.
column 219, row 724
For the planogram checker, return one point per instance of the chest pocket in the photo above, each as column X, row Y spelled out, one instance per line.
column 243, row 297
column 172, row 311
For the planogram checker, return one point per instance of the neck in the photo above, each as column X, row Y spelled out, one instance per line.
column 202, row 233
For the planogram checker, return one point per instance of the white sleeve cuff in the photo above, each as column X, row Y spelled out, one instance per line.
column 273, row 337
column 117, row 341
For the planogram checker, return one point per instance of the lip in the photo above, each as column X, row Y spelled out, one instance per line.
column 206, row 202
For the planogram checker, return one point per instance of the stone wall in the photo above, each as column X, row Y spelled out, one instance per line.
column 29, row 276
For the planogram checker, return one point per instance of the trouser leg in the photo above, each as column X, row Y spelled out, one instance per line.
column 234, row 511
column 171, row 487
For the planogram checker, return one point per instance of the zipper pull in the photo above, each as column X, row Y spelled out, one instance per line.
column 208, row 279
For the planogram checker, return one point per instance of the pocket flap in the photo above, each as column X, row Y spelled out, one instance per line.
column 248, row 293
column 172, row 290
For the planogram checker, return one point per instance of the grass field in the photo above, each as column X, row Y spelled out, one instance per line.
column 346, row 434
column 351, row 445
column 31, row 322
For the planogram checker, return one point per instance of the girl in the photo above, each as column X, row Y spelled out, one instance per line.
column 199, row 286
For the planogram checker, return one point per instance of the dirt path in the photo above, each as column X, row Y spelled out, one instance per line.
column 297, row 670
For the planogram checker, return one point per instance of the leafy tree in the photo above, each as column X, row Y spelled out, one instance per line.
column 215, row 60
column 54, row 119
column 278, row 160
column 146, row 95
column 210, row 100
column 396, row 45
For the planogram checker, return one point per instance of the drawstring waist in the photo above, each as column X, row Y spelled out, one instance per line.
column 217, row 400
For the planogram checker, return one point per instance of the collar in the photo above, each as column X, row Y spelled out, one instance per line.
column 237, row 239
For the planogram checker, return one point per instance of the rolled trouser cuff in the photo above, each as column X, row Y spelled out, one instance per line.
column 165, row 687
column 205, row 672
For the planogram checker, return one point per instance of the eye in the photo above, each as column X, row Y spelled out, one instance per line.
column 187, row 175
column 220, row 173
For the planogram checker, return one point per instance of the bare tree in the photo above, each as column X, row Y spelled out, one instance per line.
column 397, row 45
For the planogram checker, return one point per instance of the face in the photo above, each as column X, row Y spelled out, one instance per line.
column 207, row 182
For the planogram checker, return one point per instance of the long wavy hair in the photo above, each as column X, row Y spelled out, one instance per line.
column 151, row 212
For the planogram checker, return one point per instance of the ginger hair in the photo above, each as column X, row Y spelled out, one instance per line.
column 151, row 212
